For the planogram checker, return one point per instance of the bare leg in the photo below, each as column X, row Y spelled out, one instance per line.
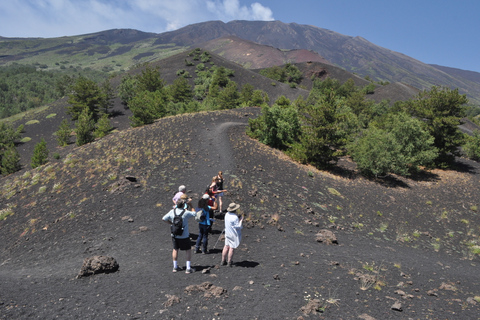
column 174, row 255
column 225, row 252
column 230, row 255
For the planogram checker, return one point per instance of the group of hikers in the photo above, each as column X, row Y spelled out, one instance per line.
column 204, row 213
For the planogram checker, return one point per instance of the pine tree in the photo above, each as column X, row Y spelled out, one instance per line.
column 84, row 128
column 10, row 160
column 103, row 126
column 40, row 154
column 63, row 134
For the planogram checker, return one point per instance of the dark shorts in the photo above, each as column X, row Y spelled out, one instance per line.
column 182, row 244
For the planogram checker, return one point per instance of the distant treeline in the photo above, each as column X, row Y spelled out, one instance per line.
column 25, row 87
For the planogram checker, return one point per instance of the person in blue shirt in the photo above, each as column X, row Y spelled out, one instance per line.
column 205, row 224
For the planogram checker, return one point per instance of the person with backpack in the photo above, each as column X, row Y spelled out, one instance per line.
column 178, row 218
column 205, row 224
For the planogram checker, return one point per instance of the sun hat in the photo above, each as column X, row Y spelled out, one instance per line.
column 182, row 188
column 233, row 207
column 205, row 196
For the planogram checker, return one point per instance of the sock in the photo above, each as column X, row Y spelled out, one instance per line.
column 175, row 264
column 188, row 264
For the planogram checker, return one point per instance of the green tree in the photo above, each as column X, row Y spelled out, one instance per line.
column 259, row 97
column 246, row 94
column 10, row 160
column 320, row 142
column 150, row 79
column 278, row 126
column 127, row 89
column 40, row 154
column 147, row 107
column 400, row 145
column 229, row 98
column 220, row 77
column 107, row 95
column 441, row 110
column 86, row 94
column 102, row 127
column 472, row 146
column 84, row 128
column 180, row 90
column 63, row 133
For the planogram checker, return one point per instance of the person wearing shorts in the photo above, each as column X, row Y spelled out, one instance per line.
column 181, row 242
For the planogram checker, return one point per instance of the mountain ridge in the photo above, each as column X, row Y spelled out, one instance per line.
column 119, row 49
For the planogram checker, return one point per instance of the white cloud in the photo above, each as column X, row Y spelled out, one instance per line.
column 54, row 18
column 227, row 10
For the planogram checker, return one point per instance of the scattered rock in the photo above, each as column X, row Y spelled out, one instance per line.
column 313, row 306
column 127, row 218
column 365, row 316
column 447, row 286
column 471, row 300
column 400, row 292
column 432, row 293
column 98, row 264
column 326, row 236
column 276, row 277
column 208, row 288
column 172, row 299
column 397, row 306
column 122, row 184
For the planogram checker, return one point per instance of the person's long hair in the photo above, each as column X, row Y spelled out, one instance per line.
column 203, row 203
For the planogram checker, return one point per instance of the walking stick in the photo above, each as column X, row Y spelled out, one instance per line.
column 218, row 239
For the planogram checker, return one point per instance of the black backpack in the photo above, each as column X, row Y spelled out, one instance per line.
column 177, row 226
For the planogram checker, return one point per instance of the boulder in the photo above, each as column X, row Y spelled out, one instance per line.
column 326, row 236
column 98, row 264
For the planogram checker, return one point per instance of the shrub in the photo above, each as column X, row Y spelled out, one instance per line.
column 103, row 126
column 84, row 128
column 472, row 146
column 63, row 133
column 40, row 154
column 278, row 126
column 10, row 160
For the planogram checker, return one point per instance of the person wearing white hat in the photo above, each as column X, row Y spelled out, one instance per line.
column 233, row 233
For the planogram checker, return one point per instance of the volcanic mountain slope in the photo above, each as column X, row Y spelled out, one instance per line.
column 252, row 55
column 120, row 49
column 405, row 248
column 354, row 54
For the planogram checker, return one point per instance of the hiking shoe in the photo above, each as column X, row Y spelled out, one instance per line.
column 205, row 251
column 230, row 264
column 198, row 251
column 176, row 269
column 188, row 271
column 223, row 263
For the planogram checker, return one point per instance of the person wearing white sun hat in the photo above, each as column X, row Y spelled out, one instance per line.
column 233, row 233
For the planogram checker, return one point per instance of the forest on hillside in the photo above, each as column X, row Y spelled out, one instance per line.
column 335, row 120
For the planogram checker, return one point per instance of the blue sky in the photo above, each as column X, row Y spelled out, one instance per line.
column 443, row 32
